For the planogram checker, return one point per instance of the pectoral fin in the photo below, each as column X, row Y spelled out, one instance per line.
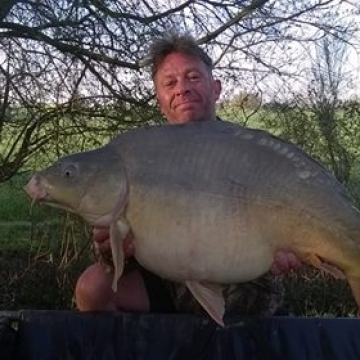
column 315, row 261
column 117, row 252
column 211, row 298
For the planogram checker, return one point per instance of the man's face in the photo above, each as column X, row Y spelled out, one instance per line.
column 185, row 89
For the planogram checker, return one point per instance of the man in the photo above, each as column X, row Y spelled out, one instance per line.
column 186, row 92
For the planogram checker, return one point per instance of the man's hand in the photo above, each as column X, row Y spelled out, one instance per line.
column 102, row 243
column 285, row 262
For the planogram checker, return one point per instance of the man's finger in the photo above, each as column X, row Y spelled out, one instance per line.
column 100, row 235
column 285, row 262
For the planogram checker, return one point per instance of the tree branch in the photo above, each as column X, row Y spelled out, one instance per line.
column 5, row 8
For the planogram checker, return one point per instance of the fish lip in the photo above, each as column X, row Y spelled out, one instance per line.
column 41, row 196
column 32, row 194
column 36, row 189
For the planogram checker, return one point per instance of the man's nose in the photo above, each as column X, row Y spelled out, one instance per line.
column 183, row 87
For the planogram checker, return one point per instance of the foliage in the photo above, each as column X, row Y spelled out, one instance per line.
column 300, row 125
column 49, row 132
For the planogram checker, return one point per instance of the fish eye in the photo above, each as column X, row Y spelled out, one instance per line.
column 69, row 171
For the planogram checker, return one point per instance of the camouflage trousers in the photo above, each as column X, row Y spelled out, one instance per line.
column 261, row 297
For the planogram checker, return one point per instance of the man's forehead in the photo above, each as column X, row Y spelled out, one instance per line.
column 180, row 62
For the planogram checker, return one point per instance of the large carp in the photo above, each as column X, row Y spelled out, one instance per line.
column 209, row 204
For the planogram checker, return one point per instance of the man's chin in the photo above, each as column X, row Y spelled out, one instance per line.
column 189, row 117
column 186, row 120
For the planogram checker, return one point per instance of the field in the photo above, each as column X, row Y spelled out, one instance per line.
column 43, row 251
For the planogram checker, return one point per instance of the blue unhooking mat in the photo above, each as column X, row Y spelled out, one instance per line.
column 45, row 335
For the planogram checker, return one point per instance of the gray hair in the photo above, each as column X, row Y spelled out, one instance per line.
column 171, row 43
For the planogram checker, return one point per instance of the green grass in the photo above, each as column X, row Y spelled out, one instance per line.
column 23, row 226
column 15, row 205
column 310, row 292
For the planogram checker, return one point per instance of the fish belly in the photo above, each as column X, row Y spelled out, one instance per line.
column 199, row 237
column 228, row 240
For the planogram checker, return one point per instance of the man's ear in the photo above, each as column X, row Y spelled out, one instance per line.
column 217, row 89
column 158, row 105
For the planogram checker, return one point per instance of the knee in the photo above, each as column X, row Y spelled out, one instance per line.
column 93, row 289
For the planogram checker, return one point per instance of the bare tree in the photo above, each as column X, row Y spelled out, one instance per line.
column 315, row 115
column 73, row 67
column 329, row 75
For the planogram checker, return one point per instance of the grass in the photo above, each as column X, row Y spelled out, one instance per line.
column 16, row 205
column 39, row 264
column 311, row 292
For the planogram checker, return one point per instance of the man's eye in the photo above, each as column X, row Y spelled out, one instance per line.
column 194, row 76
column 169, row 83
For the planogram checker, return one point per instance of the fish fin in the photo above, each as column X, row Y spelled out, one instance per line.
column 355, row 288
column 210, row 297
column 117, row 252
column 315, row 261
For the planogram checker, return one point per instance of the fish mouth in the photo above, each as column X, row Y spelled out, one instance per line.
column 35, row 191
column 39, row 190
column 43, row 197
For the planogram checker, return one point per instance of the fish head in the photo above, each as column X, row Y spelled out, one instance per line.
column 91, row 184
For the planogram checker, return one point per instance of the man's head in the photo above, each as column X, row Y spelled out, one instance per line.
column 182, row 73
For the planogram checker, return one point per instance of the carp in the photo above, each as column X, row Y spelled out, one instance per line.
column 209, row 204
